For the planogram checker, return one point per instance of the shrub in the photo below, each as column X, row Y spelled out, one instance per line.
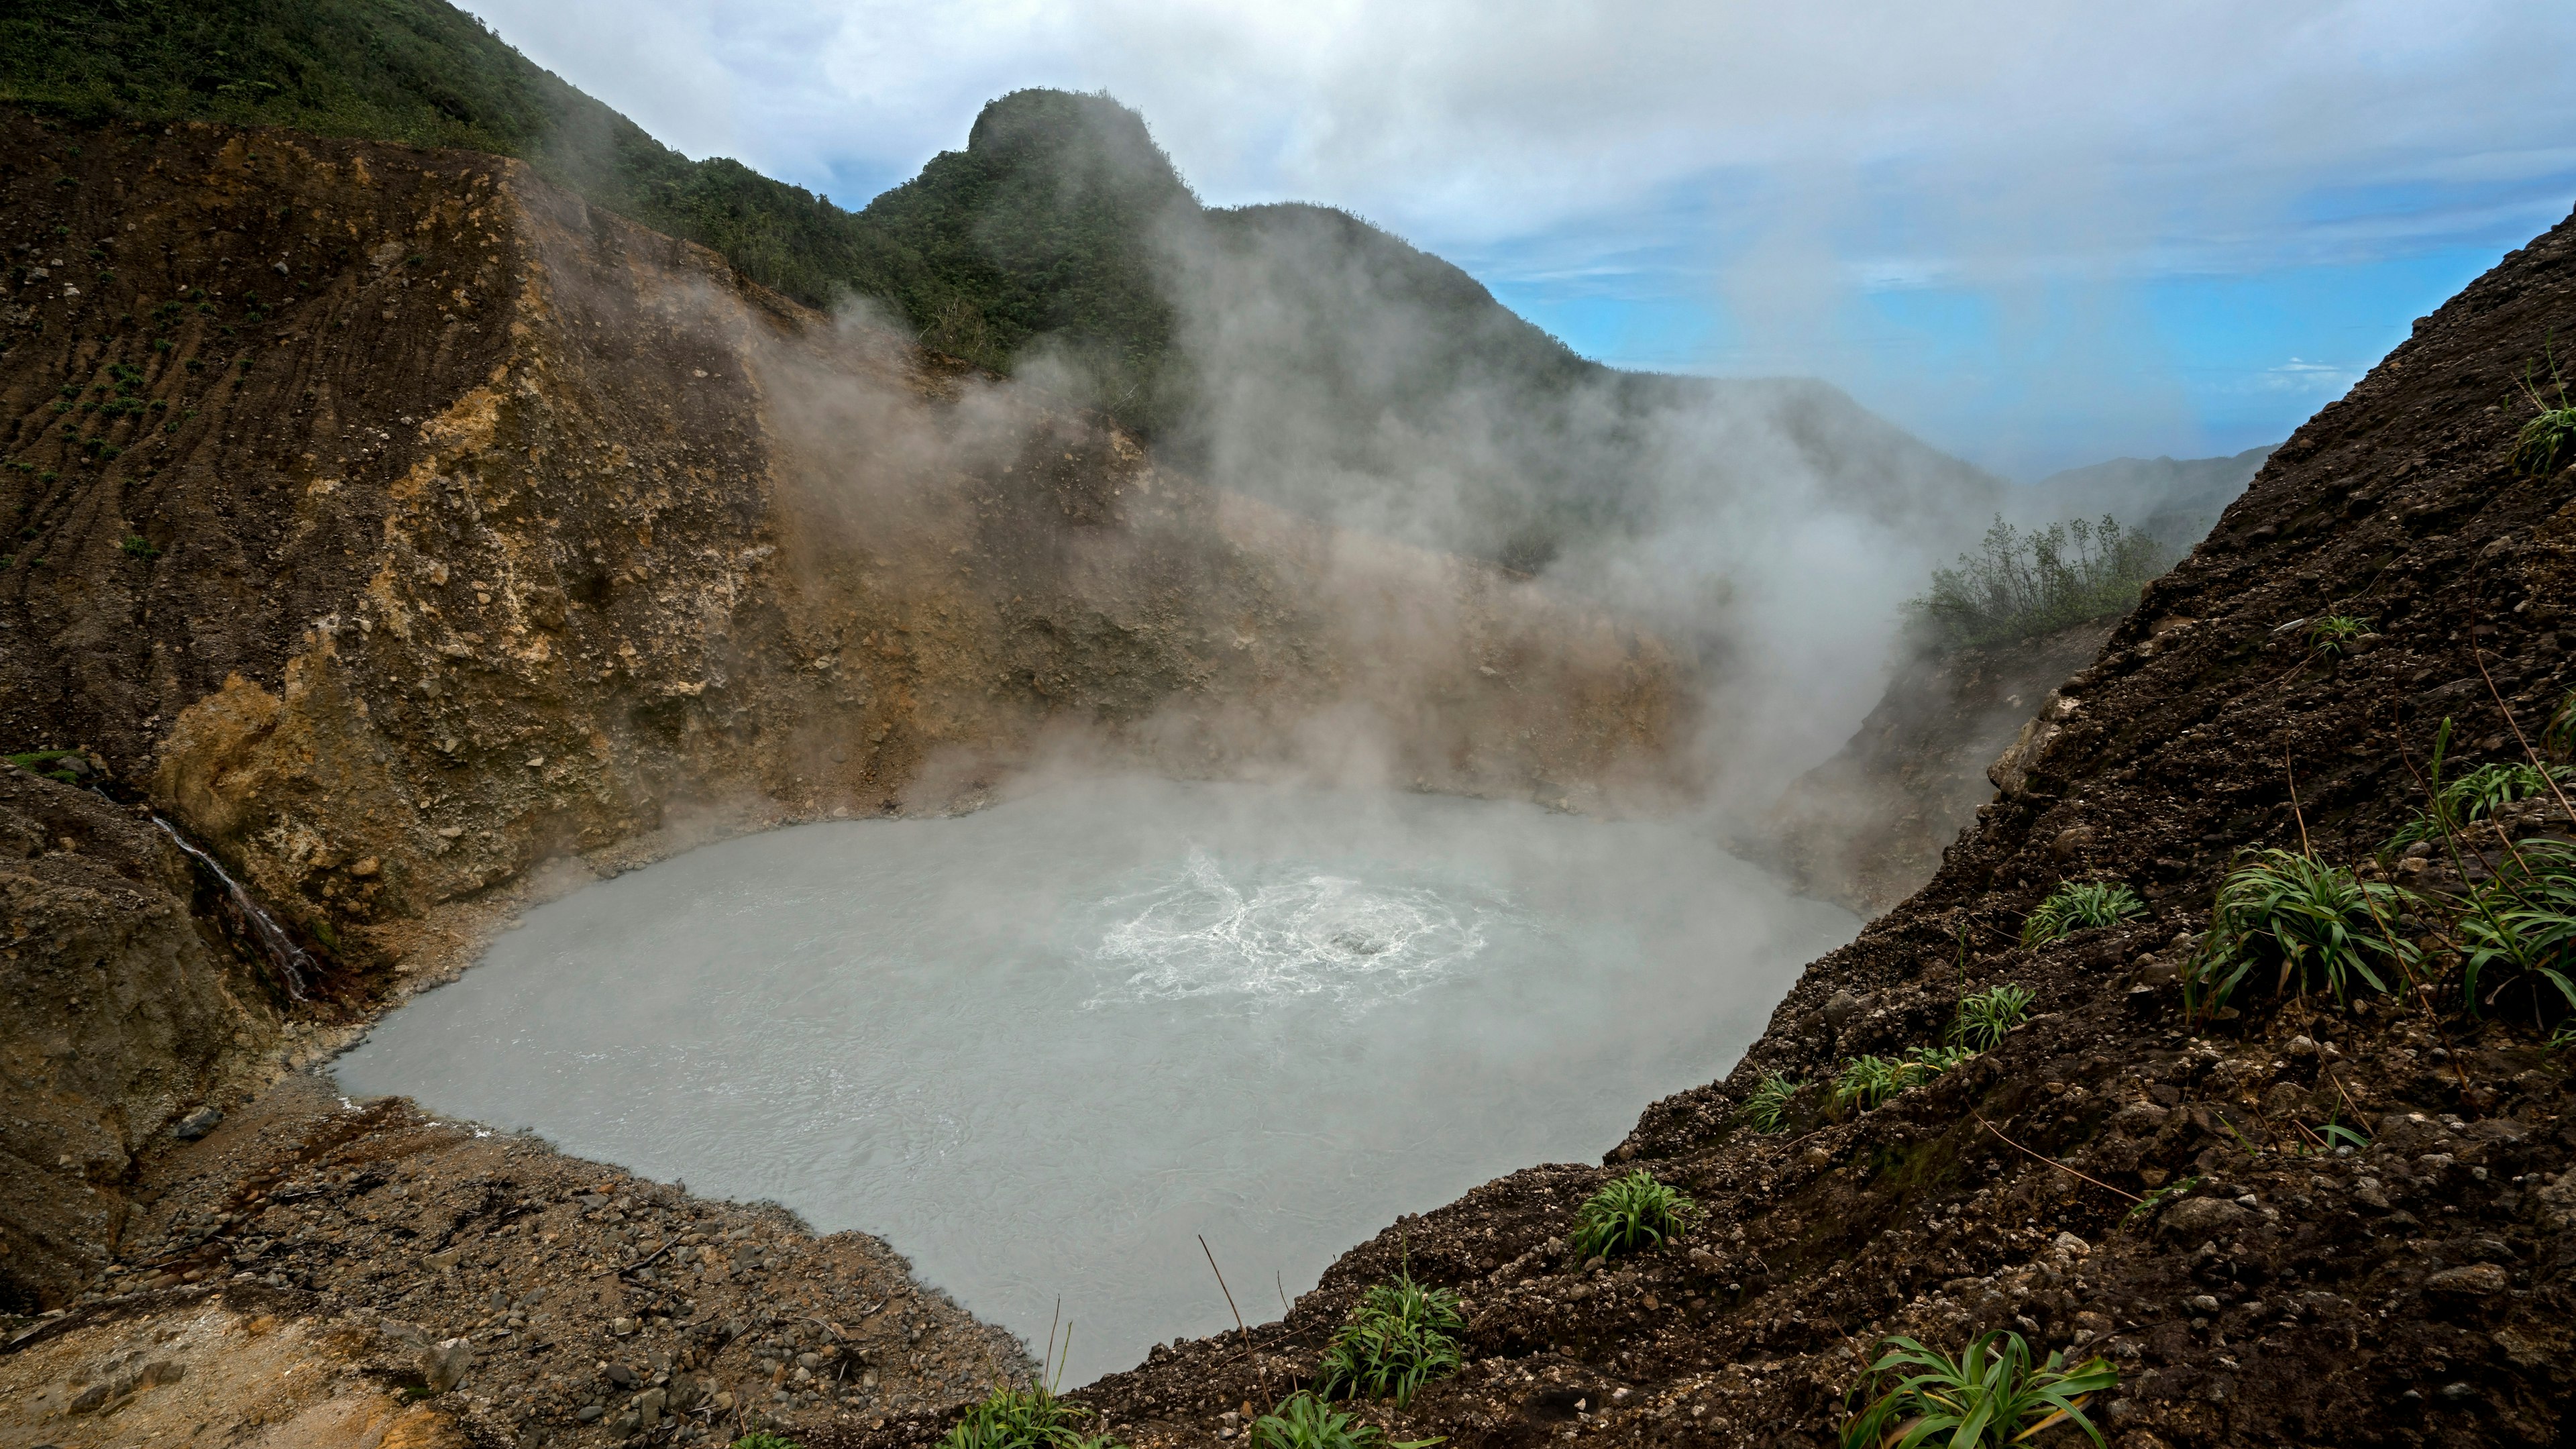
column 2316, row 923
column 2330, row 636
column 1867, row 1081
column 1401, row 1337
column 2475, row 795
column 1628, row 1213
column 763, row 1439
column 1769, row 1101
column 1988, row 1397
column 1030, row 1418
column 2520, row 923
column 1986, row 1015
column 137, row 546
column 1303, row 1421
column 2080, row 906
column 2023, row 584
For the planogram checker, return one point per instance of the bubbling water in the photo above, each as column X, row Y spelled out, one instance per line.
column 1041, row 1048
column 1196, row 931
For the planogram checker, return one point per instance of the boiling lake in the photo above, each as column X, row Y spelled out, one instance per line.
column 1041, row 1048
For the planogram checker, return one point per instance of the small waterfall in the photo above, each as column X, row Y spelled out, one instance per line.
column 291, row 959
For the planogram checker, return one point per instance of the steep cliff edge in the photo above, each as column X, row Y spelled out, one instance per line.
column 416, row 537
column 2289, row 1221
column 1868, row 826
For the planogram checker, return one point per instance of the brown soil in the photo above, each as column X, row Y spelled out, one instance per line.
column 1866, row 828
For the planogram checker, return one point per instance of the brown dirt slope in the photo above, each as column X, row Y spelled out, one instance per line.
column 1867, row 827
column 2417, row 1290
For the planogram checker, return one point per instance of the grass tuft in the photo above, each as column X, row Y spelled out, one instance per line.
column 1985, row 1016
column 1030, row 1418
column 2317, row 925
column 1630, row 1213
column 1991, row 1395
column 2548, row 440
column 2080, row 906
column 1769, row 1102
column 763, row 1439
column 1400, row 1337
column 2331, row 636
column 1869, row 1080
column 1303, row 1421
column 2475, row 796
column 2517, row 930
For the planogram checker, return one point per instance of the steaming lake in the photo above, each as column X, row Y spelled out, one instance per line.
column 1039, row 1048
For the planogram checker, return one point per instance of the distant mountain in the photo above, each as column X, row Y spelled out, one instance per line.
column 2175, row 499
column 1290, row 351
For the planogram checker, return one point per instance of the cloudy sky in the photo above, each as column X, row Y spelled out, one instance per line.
column 2039, row 234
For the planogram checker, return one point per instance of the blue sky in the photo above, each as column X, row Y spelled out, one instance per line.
column 2038, row 234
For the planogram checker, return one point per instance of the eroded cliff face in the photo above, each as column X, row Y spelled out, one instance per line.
column 1867, row 827
column 416, row 537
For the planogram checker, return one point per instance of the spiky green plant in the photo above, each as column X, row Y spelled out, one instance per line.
column 2548, row 440
column 1630, row 1213
column 1768, row 1103
column 1988, row 1397
column 2331, row 636
column 1303, row 1421
column 1030, row 1418
column 2315, row 924
column 1867, row 1081
column 1400, row 1337
column 2475, row 796
column 1985, row 1016
column 2558, row 737
column 2517, row 929
column 2080, row 906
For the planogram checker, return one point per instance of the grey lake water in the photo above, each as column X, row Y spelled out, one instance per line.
column 1040, row 1048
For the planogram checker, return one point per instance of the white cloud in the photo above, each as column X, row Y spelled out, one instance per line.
column 1775, row 162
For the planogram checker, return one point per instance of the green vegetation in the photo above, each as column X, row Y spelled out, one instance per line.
column 1988, row 1397
column 1030, row 1418
column 137, row 546
column 2331, row 636
column 1630, row 1213
column 2548, row 440
column 763, row 1439
column 43, row 762
column 2475, row 796
column 1769, row 1101
column 2080, row 906
column 2022, row 584
column 1867, row 1081
column 1400, row 1337
column 2315, row 924
column 2517, row 931
column 1985, row 1016
column 1303, row 1421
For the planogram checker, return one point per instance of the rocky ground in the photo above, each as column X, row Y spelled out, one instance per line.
column 521, row 1294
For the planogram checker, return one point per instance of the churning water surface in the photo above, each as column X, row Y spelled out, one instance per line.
column 1040, row 1048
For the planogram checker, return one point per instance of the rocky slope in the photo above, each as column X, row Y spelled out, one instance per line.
column 2121, row 1175
column 417, row 540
